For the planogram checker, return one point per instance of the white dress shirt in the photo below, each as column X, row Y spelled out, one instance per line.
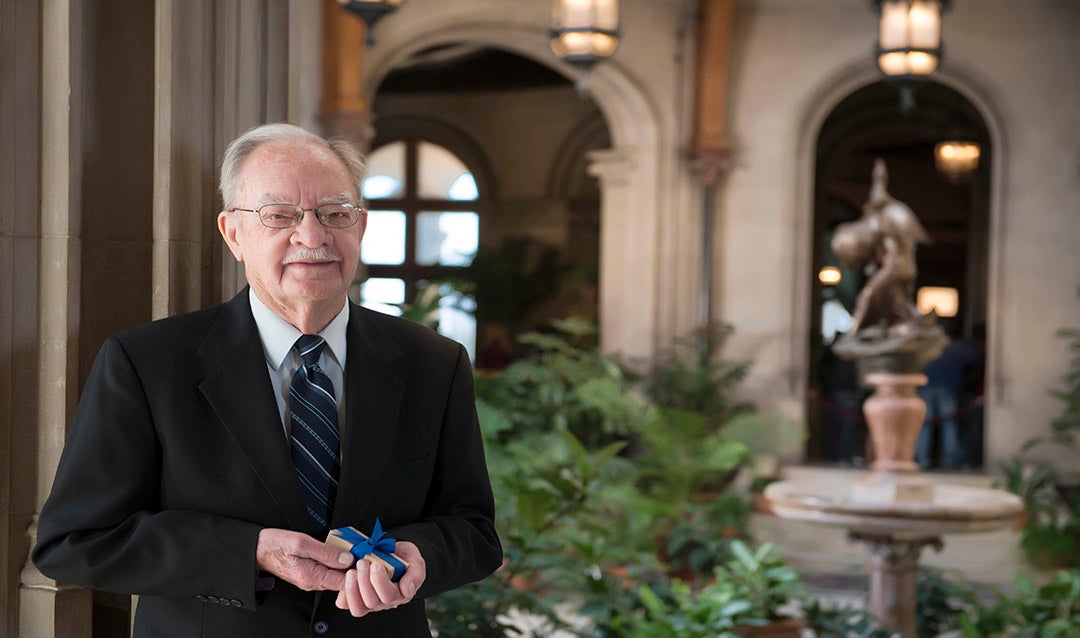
column 282, row 360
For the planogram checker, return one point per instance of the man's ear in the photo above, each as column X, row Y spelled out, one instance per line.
column 228, row 227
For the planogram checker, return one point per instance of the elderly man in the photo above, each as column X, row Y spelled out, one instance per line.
column 211, row 452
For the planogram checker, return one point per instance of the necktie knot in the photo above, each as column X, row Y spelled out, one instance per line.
column 310, row 347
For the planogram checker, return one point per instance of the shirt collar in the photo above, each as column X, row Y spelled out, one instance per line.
column 278, row 336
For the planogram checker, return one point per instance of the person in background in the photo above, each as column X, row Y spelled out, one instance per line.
column 942, row 428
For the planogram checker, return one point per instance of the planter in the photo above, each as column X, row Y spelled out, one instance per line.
column 785, row 628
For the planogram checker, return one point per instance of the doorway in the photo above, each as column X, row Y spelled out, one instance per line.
column 953, row 206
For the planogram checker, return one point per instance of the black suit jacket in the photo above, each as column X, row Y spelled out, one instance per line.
column 177, row 459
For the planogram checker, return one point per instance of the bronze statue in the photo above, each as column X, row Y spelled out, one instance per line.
column 887, row 330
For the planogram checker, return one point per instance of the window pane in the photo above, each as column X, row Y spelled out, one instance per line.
column 464, row 188
column 447, row 239
column 385, row 172
column 439, row 171
column 380, row 293
column 384, row 239
column 457, row 319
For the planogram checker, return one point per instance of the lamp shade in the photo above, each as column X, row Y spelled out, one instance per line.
column 909, row 37
column 584, row 31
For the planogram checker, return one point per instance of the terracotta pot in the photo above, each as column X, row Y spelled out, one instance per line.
column 784, row 628
column 762, row 505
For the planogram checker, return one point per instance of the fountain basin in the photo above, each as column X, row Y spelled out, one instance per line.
column 950, row 509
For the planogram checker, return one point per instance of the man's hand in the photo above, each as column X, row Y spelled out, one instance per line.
column 301, row 560
column 368, row 588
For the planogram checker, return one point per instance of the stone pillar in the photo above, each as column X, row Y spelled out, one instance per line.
column 183, row 207
column 20, row 123
column 894, row 574
column 342, row 109
column 46, row 607
column 627, row 278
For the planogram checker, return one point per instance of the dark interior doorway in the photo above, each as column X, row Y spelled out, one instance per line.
column 873, row 122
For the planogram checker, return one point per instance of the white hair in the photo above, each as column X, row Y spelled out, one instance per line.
column 240, row 148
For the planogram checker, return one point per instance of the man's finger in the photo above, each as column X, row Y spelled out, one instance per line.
column 416, row 574
column 367, row 590
column 354, row 600
column 301, row 560
column 387, row 591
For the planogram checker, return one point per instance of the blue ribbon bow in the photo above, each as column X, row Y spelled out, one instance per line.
column 378, row 544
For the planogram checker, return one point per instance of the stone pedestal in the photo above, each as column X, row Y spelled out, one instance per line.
column 894, row 415
column 894, row 575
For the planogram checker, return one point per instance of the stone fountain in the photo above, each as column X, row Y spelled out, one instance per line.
column 893, row 509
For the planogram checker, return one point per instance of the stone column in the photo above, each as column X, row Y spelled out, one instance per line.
column 47, row 607
column 894, row 574
column 627, row 277
column 183, row 208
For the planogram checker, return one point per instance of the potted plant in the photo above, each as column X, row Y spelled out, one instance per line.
column 1051, row 610
column 554, row 426
column 747, row 598
column 834, row 620
column 1034, row 484
column 700, row 541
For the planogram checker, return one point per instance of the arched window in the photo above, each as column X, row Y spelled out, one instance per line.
column 423, row 219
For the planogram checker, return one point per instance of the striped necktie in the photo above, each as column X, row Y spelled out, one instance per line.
column 314, row 431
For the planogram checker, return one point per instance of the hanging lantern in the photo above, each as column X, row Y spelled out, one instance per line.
column 957, row 155
column 909, row 37
column 370, row 11
column 957, row 160
column 584, row 32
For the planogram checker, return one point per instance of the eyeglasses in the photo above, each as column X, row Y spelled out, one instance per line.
column 289, row 215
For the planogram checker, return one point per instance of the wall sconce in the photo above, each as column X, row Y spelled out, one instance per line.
column 370, row 11
column 584, row 32
column 909, row 37
column 944, row 301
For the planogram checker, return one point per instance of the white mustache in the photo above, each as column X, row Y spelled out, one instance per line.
column 312, row 254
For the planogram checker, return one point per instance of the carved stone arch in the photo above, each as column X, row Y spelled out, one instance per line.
column 564, row 178
column 633, row 182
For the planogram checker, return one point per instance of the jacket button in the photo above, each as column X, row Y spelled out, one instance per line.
column 321, row 627
column 201, row 598
column 236, row 603
column 214, row 599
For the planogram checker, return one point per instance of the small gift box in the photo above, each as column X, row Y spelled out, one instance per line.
column 378, row 549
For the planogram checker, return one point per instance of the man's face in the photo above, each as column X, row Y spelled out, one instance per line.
column 307, row 267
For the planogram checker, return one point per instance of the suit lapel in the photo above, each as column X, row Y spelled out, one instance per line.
column 374, row 389
column 240, row 393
